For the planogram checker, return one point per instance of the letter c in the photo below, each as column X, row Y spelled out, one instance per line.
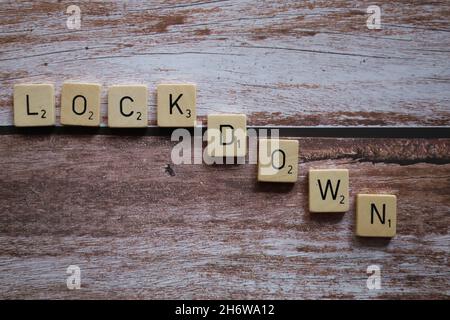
column 121, row 107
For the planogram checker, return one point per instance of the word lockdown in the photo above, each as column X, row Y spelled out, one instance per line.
column 226, row 135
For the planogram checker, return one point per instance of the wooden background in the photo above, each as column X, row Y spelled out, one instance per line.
column 137, row 229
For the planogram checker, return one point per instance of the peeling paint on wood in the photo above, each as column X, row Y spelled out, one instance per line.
column 141, row 227
column 296, row 62
column 109, row 205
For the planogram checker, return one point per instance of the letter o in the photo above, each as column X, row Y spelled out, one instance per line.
column 84, row 106
column 284, row 159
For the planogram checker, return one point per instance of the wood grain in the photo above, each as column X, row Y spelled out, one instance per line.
column 280, row 62
column 137, row 229
column 140, row 227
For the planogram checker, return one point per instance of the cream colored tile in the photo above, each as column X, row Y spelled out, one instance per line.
column 376, row 215
column 34, row 105
column 227, row 135
column 328, row 190
column 176, row 105
column 80, row 104
column 277, row 160
column 127, row 106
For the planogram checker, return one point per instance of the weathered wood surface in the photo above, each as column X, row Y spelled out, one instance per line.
column 138, row 230
column 280, row 62
column 109, row 205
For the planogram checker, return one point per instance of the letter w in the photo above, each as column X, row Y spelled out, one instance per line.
column 328, row 185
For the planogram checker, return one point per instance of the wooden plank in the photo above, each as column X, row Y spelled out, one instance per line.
column 110, row 205
column 280, row 62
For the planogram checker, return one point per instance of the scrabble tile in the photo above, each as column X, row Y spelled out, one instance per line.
column 176, row 105
column 328, row 190
column 127, row 106
column 34, row 105
column 80, row 104
column 227, row 135
column 277, row 160
column 376, row 215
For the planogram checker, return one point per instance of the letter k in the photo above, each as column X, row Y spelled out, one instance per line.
column 175, row 103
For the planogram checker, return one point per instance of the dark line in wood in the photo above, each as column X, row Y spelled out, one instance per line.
column 361, row 158
column 294, row 131
column 318, row 51
column 408, row 162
